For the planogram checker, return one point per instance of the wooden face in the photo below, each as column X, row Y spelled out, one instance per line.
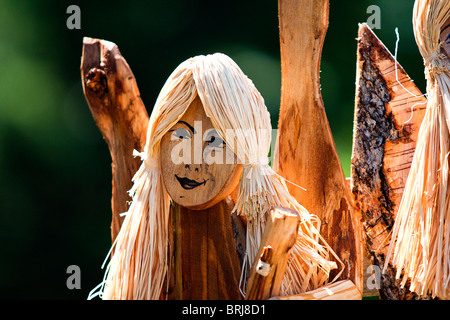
column 445, row 38
column 198, row 168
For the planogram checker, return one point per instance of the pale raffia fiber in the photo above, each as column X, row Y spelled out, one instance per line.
column 138, row 268
column 420, row 244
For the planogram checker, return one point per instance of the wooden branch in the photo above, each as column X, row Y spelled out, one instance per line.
column 387, row 118
column 341, row 290
column 268, row 270
column 305, row 149
column 114, row 100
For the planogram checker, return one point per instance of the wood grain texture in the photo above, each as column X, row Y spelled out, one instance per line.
column 114, row 100
column 341, row 290
column 205, row 264
column 278, row 239
column 388, row 114
column 305, row 149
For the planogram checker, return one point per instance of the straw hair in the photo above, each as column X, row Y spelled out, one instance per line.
column 138, row 268
column 420, row 244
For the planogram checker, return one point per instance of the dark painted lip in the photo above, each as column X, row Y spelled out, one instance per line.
column 189, row 184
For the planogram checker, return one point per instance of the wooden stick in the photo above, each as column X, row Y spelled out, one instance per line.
column 388, row 114
column 114, row 100
column 305, row 149
column 279, row 237
column 341, row 290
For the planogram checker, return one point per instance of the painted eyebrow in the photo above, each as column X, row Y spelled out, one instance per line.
column 445, row 28
column 188, row 125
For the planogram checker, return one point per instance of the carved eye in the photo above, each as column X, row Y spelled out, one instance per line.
column 443, row 31
column 213, row 139
column 180, row 134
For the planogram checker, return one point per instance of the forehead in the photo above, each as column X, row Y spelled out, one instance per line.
column 195, row 112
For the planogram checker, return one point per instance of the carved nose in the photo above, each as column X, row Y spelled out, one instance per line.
column 187, row 166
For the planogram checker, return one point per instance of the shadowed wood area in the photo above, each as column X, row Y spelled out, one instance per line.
column 115, row 103
column 389, row 109
column 305, row 149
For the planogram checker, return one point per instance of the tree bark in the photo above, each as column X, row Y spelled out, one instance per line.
column 388, row 114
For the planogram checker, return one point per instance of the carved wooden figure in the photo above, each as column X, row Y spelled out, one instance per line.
column 199, row 178
column 192, row 248
column 205, row 246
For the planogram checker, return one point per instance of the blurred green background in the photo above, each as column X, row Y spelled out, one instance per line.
column 55, row 173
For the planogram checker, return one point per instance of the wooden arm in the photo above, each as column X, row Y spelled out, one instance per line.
column 268, row 270
column 114, row 100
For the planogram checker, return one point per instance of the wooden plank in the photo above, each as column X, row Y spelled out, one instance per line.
column 305, row 150
column 341, row 290
column 114, row 100
column 388, row 111
column 267, row 272
column 205, row 263
column 205, row 235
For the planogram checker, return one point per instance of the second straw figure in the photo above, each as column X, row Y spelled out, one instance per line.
column 420, row 245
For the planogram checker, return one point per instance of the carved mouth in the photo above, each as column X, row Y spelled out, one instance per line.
column 189, row 184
